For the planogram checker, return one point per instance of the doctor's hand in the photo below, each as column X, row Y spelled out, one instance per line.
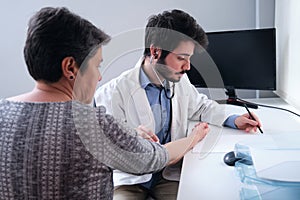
column 246, row 123
column 146, row 133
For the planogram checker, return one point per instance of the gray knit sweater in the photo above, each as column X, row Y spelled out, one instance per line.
column 67, row 150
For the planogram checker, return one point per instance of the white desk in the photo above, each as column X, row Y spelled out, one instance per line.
column 209, row 178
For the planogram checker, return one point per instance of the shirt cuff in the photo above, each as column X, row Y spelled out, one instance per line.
column 229, row 122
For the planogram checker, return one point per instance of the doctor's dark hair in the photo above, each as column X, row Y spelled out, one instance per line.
column 56, row 33
column 168, row 29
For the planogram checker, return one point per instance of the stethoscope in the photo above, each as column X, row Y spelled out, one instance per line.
column 172, row 92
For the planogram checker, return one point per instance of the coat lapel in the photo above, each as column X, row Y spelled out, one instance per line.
column 139, row 100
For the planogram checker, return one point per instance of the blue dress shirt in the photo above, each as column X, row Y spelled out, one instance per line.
column 160, row 106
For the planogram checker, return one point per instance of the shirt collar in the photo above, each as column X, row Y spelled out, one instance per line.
column 144, row 80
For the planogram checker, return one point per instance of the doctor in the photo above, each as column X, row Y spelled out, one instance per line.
column 157, row 93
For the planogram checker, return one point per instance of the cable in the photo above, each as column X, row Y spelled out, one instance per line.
column 262, row 105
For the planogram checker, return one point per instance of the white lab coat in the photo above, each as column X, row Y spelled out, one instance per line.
column 125, row 99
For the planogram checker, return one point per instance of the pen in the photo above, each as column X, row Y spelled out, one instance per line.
column 251, row 116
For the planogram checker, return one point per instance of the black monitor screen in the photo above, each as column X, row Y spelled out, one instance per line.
column 244, row 59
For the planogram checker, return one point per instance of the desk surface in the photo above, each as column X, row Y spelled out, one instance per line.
column 208, row 177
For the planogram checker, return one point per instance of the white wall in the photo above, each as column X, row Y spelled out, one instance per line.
column 288, row 40
column 213, row 15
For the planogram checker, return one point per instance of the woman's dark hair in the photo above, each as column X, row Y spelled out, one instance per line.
column 168, row 29
column 56, row 33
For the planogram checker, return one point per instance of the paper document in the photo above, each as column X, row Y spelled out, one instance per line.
column 220, row 140
column 279, row 165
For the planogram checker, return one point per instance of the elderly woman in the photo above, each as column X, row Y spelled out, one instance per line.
column 53, row 144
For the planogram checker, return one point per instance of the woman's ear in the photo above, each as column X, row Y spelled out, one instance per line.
column 69, row 68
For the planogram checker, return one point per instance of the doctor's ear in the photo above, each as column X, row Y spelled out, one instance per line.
column 155, row 55
column 155, row 52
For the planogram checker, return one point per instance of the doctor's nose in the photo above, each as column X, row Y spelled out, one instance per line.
column 187, row 65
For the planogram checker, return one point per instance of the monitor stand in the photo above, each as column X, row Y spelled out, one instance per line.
column 234, row 100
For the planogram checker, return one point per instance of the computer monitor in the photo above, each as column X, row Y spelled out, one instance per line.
column 240, row 59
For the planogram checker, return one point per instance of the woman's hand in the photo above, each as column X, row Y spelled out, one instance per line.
column 146, row 133
column 178, row 148
column 198, row 133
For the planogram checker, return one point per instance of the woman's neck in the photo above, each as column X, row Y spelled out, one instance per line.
column 43, row 92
